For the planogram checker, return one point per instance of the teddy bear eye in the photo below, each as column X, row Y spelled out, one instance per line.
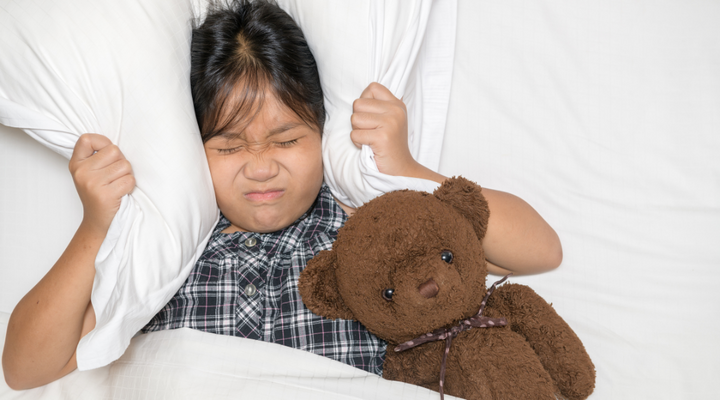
column 447, row 256
column 387, row 294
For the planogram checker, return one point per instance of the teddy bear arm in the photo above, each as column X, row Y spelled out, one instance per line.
column 421, row 366
column 479, row 367
column 418, row 366
column 559, row 349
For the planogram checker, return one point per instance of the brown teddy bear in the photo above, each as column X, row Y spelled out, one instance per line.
column 410, row 267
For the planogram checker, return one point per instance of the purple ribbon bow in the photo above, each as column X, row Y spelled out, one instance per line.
column 447, row 334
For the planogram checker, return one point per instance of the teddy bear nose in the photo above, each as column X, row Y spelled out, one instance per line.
column 429, row 289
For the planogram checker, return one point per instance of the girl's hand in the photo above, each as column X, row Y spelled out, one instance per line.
column 102, row 177
column 379, row 120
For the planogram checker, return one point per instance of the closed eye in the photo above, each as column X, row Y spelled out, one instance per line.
column 229, row 151
column 288, row 143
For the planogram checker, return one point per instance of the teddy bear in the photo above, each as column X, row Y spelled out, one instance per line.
column 410, row 267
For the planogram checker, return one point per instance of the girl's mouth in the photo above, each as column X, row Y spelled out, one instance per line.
column 264, row 196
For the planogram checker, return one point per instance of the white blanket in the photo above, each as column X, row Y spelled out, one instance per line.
column 188, row 364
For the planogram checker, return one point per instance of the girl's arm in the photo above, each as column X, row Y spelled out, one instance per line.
column 46, row 326
column 518, row 239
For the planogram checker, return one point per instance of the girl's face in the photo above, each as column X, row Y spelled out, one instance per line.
column 267, row 173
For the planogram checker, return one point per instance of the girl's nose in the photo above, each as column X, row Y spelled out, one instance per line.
column 261, row 168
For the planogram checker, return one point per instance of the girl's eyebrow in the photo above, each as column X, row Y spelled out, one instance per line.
column 282, row 128
column 230, row 135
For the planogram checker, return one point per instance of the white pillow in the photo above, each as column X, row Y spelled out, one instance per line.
column 120, row 69
column 407, row 46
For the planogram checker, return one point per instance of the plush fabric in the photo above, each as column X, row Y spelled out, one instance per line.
column 427, row 250
column 119, row 69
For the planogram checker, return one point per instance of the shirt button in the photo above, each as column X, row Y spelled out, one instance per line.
column 250, row 290
column 250, row 242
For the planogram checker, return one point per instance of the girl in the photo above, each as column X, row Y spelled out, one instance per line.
column 259, row 105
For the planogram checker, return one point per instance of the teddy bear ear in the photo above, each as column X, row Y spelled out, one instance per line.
column 319, row 289
column 467, row 198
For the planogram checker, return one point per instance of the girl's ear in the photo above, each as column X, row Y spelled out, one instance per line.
column 467, row 199
column 319, row 289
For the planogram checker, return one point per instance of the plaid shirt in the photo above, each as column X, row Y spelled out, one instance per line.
column 246, row 284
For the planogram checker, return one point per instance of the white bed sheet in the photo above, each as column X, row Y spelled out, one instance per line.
column 188, row 364
column 38, row 204
column 605, row 116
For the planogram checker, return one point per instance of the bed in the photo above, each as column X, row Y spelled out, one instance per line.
column 604, row 116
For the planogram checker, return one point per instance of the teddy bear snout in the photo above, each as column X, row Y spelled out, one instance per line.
column 429, row 289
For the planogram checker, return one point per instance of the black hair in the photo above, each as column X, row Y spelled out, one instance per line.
column 253, row 46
